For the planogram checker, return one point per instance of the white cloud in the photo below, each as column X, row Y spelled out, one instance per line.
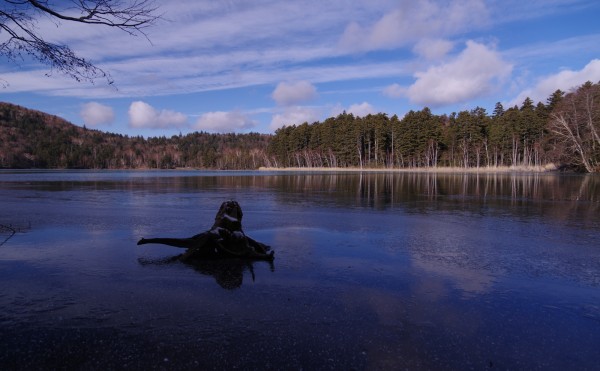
column 294, row 116
column 361, row 110
column 289, row 93
column 336, row 110
column 432, row 49
column 474, row 72
column 223, row 45
column 143, row 115
column 228, row 44
column 394, row 91
column 564, row 80
column 180, row 75
column 358, row 109
column 563, row 49
column 216, row 45
column 95, row 114
column 224, row 122
column 415, row 20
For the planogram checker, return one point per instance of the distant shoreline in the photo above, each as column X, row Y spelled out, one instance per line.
column 456, row 170
column 447, row 170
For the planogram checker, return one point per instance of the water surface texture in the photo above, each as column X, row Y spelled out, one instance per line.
column 371, row 271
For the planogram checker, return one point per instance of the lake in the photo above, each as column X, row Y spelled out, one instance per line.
column 371, row 271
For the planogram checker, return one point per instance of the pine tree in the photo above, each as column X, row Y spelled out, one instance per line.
column 498, row 110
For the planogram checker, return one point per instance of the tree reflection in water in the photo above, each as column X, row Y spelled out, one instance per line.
column 228, row 273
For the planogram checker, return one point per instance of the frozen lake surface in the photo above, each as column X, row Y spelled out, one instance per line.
column 371, row 271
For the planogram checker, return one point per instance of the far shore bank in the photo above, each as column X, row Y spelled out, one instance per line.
column 448, row 170
column 479, row 170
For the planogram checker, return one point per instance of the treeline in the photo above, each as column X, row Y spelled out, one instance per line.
column 565, row 131
column 529, row 135
column 32, row 139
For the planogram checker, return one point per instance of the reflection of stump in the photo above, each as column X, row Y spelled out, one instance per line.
column 225, row 239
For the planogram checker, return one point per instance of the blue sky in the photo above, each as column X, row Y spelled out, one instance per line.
column 241, row 66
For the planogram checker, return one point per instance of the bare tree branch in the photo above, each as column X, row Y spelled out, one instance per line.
column 130, row 18
column 22, row 38
column 576, row 122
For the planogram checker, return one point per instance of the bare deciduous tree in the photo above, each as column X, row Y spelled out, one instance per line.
column 576, row 121
column 21, row 38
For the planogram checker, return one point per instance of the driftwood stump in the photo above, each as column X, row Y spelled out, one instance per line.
column 225, row 239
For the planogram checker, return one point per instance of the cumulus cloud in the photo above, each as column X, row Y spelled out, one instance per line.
column 294, row 116
column 95, row 114
column 358, row 109
column 143, row 115
column 564, row 80
column 289, row 93
column 415, row 20
column 394, row 91
column 361, row 110
column 432, row 49
column 224, row 122
column 472, row 73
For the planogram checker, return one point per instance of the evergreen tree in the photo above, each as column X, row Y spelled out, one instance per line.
column 498, row 110
column 554, row 99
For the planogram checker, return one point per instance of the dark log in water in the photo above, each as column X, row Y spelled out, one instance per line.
column 225, row 239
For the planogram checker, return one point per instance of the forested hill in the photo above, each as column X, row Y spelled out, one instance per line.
column 33, row 139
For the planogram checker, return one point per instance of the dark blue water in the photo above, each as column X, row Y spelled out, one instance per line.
column 371, row 271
